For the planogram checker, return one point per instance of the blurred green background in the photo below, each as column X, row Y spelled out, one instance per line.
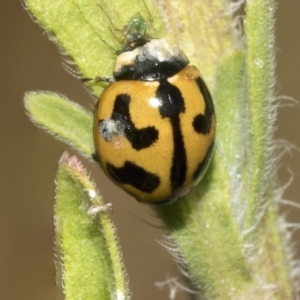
column 28, row 161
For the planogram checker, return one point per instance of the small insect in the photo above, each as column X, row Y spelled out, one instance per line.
column 154, row 124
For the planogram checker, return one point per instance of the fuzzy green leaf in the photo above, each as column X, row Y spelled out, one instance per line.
column 231, row 245
column 62, row 118
column 204, row 30
column 230, row 255
column 260, row 66
column 85, row 238
column 86, row 33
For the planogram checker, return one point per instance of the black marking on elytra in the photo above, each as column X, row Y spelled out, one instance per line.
column 204, row 164
column 172, row 104
column 139, row 138
column 202, row 123
column 134, row 175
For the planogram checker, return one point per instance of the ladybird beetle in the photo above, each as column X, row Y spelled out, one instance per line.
column 154, row 124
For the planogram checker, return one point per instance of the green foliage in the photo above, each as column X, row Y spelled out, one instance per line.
column 85, row 238
column 260, row 68
column 86, row 33
column 64, row 119
column 226, row 229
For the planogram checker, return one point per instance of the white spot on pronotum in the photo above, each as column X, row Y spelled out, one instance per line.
column 96, row 209
column 258, row 62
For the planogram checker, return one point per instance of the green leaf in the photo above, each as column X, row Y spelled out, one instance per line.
column 262, row 113
column 204, row 30
column 225, row 230
column 62, row 118
column 86, row 33
column 86, row 243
